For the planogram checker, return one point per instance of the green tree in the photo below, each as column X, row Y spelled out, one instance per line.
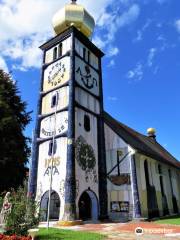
column 23, row 213
column 13, row 144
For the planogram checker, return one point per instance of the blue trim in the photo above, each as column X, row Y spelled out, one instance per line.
column 52, row 42
column 70, row 180
column 102, row 169
column 86, row 109
column 87, row 63
column 137, row 205
column 56, row 88
column 41, row 140
column 87, row 91
column 42, row 116
column 35, row 149
column 45, row 65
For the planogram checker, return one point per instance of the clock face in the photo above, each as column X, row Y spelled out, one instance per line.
column 56, row 74
column 47, row 125
column 87, row 77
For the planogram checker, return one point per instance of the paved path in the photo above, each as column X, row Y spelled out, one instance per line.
column 126, row 231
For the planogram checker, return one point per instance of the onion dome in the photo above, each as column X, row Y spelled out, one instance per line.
column 75, row 15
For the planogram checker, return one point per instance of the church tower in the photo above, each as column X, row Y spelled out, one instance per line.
column 69, row 144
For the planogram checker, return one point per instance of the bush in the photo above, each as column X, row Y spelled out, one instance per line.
column 23, row 213
column 1, row 202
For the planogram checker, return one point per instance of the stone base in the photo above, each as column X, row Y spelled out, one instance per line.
column 69, row 223
column 139, row 219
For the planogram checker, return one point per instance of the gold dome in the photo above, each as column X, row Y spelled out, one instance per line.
column 151, row 131
column 73, row 15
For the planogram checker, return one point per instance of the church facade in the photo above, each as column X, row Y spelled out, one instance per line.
column 98, row 167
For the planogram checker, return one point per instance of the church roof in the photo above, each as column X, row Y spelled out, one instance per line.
column 142, row 143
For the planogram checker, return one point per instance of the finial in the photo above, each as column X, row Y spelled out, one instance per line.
column 73, row 1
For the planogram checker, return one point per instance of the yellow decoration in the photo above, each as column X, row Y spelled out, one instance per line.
column 56, row 161
column 69, row 223
column 73, row 15
column 151, row 131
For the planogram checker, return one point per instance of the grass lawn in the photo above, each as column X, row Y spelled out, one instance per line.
column 59, row 234
column 170, row 220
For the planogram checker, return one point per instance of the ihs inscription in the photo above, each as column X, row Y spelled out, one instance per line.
column 54, row 171
column 56, row 74
column 54, row 162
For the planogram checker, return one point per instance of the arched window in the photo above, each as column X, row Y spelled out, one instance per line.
column 55, row 53
column 84, row 53
column 146, row 172
column 170, row 180
column 161, row 185
column 51, row 152
column 88, row 57
column 54, row 100
column 60, row 50
column 159, row 169
column 87, row 126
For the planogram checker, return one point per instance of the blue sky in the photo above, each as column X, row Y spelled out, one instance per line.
column 141, row 68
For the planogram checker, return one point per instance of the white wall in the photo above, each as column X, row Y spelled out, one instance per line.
column 86, row 178
column 63, row 100
column 43, row 180
column 66, row 46
column 88, row 101
column 123, row 192
column 94, row 62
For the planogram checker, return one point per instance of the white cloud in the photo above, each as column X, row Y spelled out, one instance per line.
column 111, row 22
column 111, row 63
column 3, row 65
column 151, row 55
column 161, row 1
column 139, row 36
column 177, row 25
column 111, row 98
column 136, row 73
column 140, row 32
column 26, row 24
column 156, row 69
column 112, row 51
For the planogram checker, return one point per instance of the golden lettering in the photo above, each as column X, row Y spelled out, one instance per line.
column 48, row 162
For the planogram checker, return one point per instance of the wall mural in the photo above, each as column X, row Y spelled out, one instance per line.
column 39, row 194
column 120, row 178
column 62, row 188
column 86, row 159
column 87, row 77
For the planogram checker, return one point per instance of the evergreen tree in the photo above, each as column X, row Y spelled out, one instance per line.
column 14, row 149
